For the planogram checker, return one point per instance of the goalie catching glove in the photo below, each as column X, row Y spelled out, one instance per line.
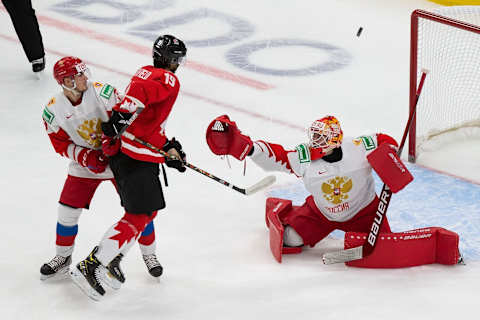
column 224, row 137
column 174, row 148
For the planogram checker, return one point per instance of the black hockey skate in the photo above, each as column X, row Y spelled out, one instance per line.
column 154, row 267
column 38, row 64
column 88, row 276
column 57, row 267
column 115, row 276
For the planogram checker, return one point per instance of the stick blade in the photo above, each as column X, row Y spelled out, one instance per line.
column 262, row 184
column 343, row 255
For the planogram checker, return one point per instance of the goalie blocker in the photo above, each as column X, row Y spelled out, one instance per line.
column 387, row 164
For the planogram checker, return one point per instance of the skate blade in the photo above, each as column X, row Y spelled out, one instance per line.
column 61, row 274
column 109, row 280
column 82, row 283
column 40, row 75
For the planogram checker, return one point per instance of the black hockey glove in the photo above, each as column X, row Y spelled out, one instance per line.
column 175, row 163
column 115, row 124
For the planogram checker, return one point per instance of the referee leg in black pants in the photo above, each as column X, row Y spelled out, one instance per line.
column 28, row 32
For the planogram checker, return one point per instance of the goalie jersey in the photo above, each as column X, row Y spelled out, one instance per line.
column 73, row 128
column 340, row 189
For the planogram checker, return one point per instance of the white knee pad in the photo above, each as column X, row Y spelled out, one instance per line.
column 291, row 238
column 68, row 216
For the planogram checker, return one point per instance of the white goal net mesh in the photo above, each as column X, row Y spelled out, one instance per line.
column 450, row 100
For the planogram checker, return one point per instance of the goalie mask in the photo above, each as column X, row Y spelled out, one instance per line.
column 325, row 133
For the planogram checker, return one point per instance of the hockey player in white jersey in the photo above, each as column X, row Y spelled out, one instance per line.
column 337, row 171
column 73, row 119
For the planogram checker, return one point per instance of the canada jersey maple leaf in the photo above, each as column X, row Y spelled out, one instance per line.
column 126, row 232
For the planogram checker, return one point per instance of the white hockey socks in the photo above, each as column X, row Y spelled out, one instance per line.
column 67, row 229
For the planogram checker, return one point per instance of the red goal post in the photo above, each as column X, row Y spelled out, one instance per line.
column 447, row 43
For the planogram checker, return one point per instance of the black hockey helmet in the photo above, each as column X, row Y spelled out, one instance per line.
column 168, row 52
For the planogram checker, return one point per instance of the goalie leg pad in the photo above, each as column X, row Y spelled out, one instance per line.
column 407, row 249
column 387, row 164
column 447, row 247
column 275, row 208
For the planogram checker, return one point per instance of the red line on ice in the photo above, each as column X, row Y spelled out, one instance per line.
column 133, row 47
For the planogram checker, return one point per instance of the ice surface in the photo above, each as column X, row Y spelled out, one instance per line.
column 212, row 241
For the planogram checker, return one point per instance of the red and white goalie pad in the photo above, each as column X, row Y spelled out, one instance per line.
column 387, row 164
column 274, row 207
column 407, row 249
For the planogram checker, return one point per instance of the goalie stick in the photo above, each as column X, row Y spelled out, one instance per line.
column 265, row 182
column 385, row 196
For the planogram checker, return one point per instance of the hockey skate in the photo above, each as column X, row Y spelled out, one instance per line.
column 154, row 267
column 115, row 276
column 88, row 276
column 57, row 267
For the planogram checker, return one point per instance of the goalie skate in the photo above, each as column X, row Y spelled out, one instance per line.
column 58, row 267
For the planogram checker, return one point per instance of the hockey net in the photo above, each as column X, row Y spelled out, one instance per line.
column 446, row 42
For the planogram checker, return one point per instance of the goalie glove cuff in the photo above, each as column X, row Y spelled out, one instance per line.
column 224, row 137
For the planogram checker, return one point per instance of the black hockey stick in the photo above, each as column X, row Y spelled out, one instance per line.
column 265, row 182
column 385, row 196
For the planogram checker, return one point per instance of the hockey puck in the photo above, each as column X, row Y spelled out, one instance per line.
column 359, row 32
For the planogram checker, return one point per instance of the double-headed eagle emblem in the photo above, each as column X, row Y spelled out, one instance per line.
column 91, row 132
column 335, row 190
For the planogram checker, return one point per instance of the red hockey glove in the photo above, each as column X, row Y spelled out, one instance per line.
column 223, row 137
column 110, row 146
column 94, row 160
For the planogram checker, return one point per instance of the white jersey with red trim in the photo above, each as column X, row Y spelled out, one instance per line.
column 74, row 128
column 340, row 189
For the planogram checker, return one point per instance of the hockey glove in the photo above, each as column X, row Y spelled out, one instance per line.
column 115, row 124
column 94, row 160
column 174, row 148
column 224, row 137
column 110, row 146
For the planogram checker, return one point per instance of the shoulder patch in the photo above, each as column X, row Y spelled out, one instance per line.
column 47, row 115
column 106, row 91
column 52, row 101
column 97, row 84
column 303, row 153
column 368, row 142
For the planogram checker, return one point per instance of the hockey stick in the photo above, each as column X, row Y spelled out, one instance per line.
column 265, row 182
column 385, row 196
